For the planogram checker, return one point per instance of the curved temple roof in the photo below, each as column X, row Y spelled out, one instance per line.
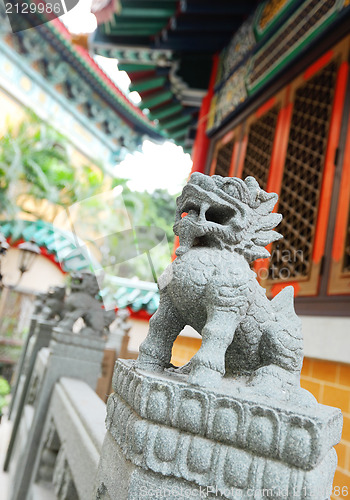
column 166, row 47
column 58, row 245
column 125, row 108
column 70, row 71
column 142, row 298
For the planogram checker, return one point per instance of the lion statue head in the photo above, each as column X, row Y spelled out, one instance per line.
column 84, row 282
column 226, row 213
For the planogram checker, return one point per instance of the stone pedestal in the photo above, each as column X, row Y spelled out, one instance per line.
column 68, row 355
column 166, row 436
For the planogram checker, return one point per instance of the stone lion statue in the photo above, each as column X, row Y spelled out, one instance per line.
column 54, row 303
column 82, row 303
column 224, row 224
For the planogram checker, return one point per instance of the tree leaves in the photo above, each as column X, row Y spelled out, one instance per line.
column 34, row 161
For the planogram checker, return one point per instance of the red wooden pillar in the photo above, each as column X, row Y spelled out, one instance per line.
column 201, row 143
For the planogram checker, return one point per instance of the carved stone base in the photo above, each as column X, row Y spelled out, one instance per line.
column 230, row 443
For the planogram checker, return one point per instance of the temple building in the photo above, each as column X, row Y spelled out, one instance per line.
column 41, row 69
column 262, row 89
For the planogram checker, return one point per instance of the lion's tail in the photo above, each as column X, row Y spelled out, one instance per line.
column 285, row 337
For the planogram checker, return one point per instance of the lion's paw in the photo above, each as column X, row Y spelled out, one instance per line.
column 204, row 377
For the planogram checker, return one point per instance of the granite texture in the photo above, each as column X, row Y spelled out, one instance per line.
column 52, row 308
column 47, row 307
column 39, row 340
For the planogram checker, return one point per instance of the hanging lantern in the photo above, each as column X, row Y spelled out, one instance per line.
column 29, row 250
column 4, row 246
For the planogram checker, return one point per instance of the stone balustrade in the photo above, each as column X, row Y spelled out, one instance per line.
column 69, row 451
column 68, row 354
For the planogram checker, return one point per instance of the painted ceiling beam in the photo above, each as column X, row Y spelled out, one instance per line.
column 131, row 56
column 136, row 31
column 131, row 23
column 179, row 133
column 148, row 84
column 123, row 47
column 164, row 112
column 134, row 68
column 176, row 122
column 198, row 43
column 157, row 99
column 174, row 36
column 144, row 12
column 217, row 7
column 147, row 3
column 204, row 23
column 112, row 41
column 189, row 110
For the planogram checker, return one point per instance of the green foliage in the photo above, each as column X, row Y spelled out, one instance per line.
column 152, row 210
column 34, row 161
column 35, row 164
column 4, row 390
column 145, row 251
column 4, row 387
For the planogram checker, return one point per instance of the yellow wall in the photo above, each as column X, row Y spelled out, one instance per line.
column 13, row 113
column 10, row 112
column 329, row 382
column 183, row 350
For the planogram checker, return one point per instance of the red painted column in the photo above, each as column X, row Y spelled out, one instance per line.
column 201, row 143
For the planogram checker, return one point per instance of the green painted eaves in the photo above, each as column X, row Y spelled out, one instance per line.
column 148, row 84
column 127, row 107
column 159, row 114
column 123, row 292
column 176, row 122
column 67, row 250
column 157, row 99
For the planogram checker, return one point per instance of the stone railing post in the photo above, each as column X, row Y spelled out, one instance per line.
column 20, row 366
column 48, row 308
column 68, row 355
column 41, row 338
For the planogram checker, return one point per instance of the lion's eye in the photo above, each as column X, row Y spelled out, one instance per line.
column 218, row 216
